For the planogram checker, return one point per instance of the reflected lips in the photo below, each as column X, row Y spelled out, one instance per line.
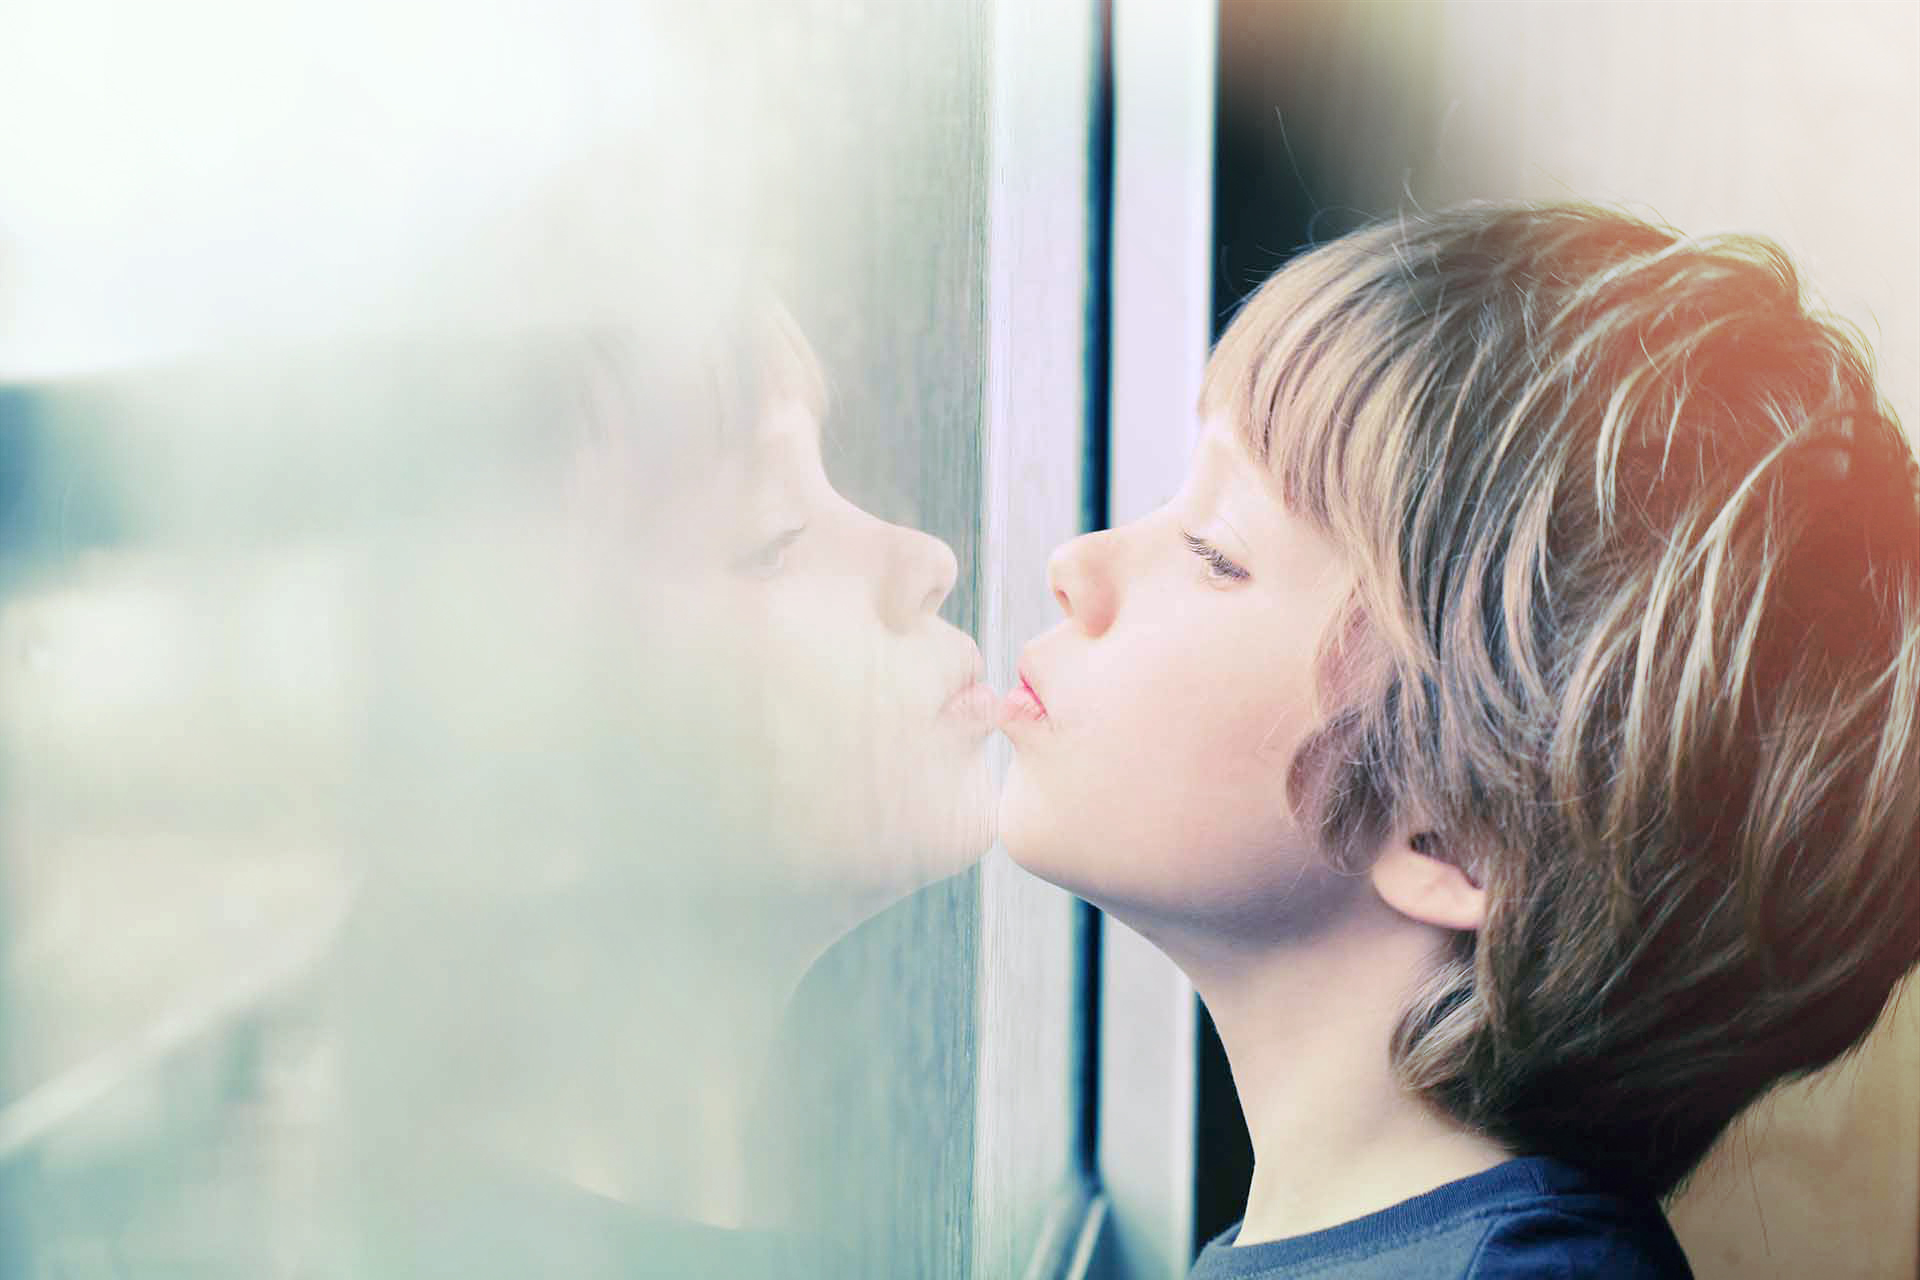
column 1022, row 704
column 974, row 701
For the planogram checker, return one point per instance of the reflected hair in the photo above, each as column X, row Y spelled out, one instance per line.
column 662, row 396
column 698, row 377
column 1635, row 635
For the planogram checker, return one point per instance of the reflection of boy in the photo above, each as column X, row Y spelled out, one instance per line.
column 1625, row 696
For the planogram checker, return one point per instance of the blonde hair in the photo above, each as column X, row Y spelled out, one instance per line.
column 1637, row 630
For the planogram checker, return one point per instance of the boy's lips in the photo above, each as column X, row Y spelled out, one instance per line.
column 1023, row 703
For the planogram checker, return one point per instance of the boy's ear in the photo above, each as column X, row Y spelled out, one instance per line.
column 1416, row 878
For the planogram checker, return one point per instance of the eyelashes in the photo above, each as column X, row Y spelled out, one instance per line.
column 1219, row 568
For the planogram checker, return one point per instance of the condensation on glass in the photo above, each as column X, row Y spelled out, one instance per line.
column 493, row 505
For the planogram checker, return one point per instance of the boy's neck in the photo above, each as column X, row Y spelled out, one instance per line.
column 1306, row 1026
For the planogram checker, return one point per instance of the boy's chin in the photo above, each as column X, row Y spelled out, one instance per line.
column 1024, row 829
column 1044, row 839
column 1049, row 854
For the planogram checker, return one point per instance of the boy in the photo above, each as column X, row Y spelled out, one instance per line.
column 1510, row 728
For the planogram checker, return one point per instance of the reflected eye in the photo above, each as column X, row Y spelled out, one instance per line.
column 770, row 557
column 1219, row 568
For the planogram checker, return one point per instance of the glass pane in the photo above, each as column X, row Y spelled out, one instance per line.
column 1033, row 1140
column 493, row 510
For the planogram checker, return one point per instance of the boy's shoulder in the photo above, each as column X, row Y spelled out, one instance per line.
column 1531, row 1216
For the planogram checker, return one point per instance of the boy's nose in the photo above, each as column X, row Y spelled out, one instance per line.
column 1076, row 572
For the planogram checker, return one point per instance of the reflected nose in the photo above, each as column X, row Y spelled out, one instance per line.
column 1077, row 573
column 922, row 571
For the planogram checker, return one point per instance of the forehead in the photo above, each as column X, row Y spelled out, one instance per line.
column 1228, row 486
column 1223, row 469
column 792, row 389
column 785, row 444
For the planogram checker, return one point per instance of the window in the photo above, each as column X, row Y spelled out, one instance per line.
column 479, row 481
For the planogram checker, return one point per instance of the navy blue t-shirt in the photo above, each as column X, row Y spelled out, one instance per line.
column 1532, row 1216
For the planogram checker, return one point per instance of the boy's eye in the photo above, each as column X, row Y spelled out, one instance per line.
column 1219, row 568
column 770, row 557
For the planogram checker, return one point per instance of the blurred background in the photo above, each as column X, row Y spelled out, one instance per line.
column 497, row 504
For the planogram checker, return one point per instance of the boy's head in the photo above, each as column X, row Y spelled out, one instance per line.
column 1566, row 571
column 1634, row 637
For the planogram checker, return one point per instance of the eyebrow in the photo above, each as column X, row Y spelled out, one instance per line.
column 1219, row 484
column 1221, row 516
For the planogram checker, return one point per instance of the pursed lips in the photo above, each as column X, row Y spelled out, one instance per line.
column 1023, row 703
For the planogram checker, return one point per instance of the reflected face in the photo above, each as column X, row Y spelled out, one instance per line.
column 874, row 707
column 799, row 637
column 1155, row 724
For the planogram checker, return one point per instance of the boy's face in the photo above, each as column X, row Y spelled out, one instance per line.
column 1151, row 760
